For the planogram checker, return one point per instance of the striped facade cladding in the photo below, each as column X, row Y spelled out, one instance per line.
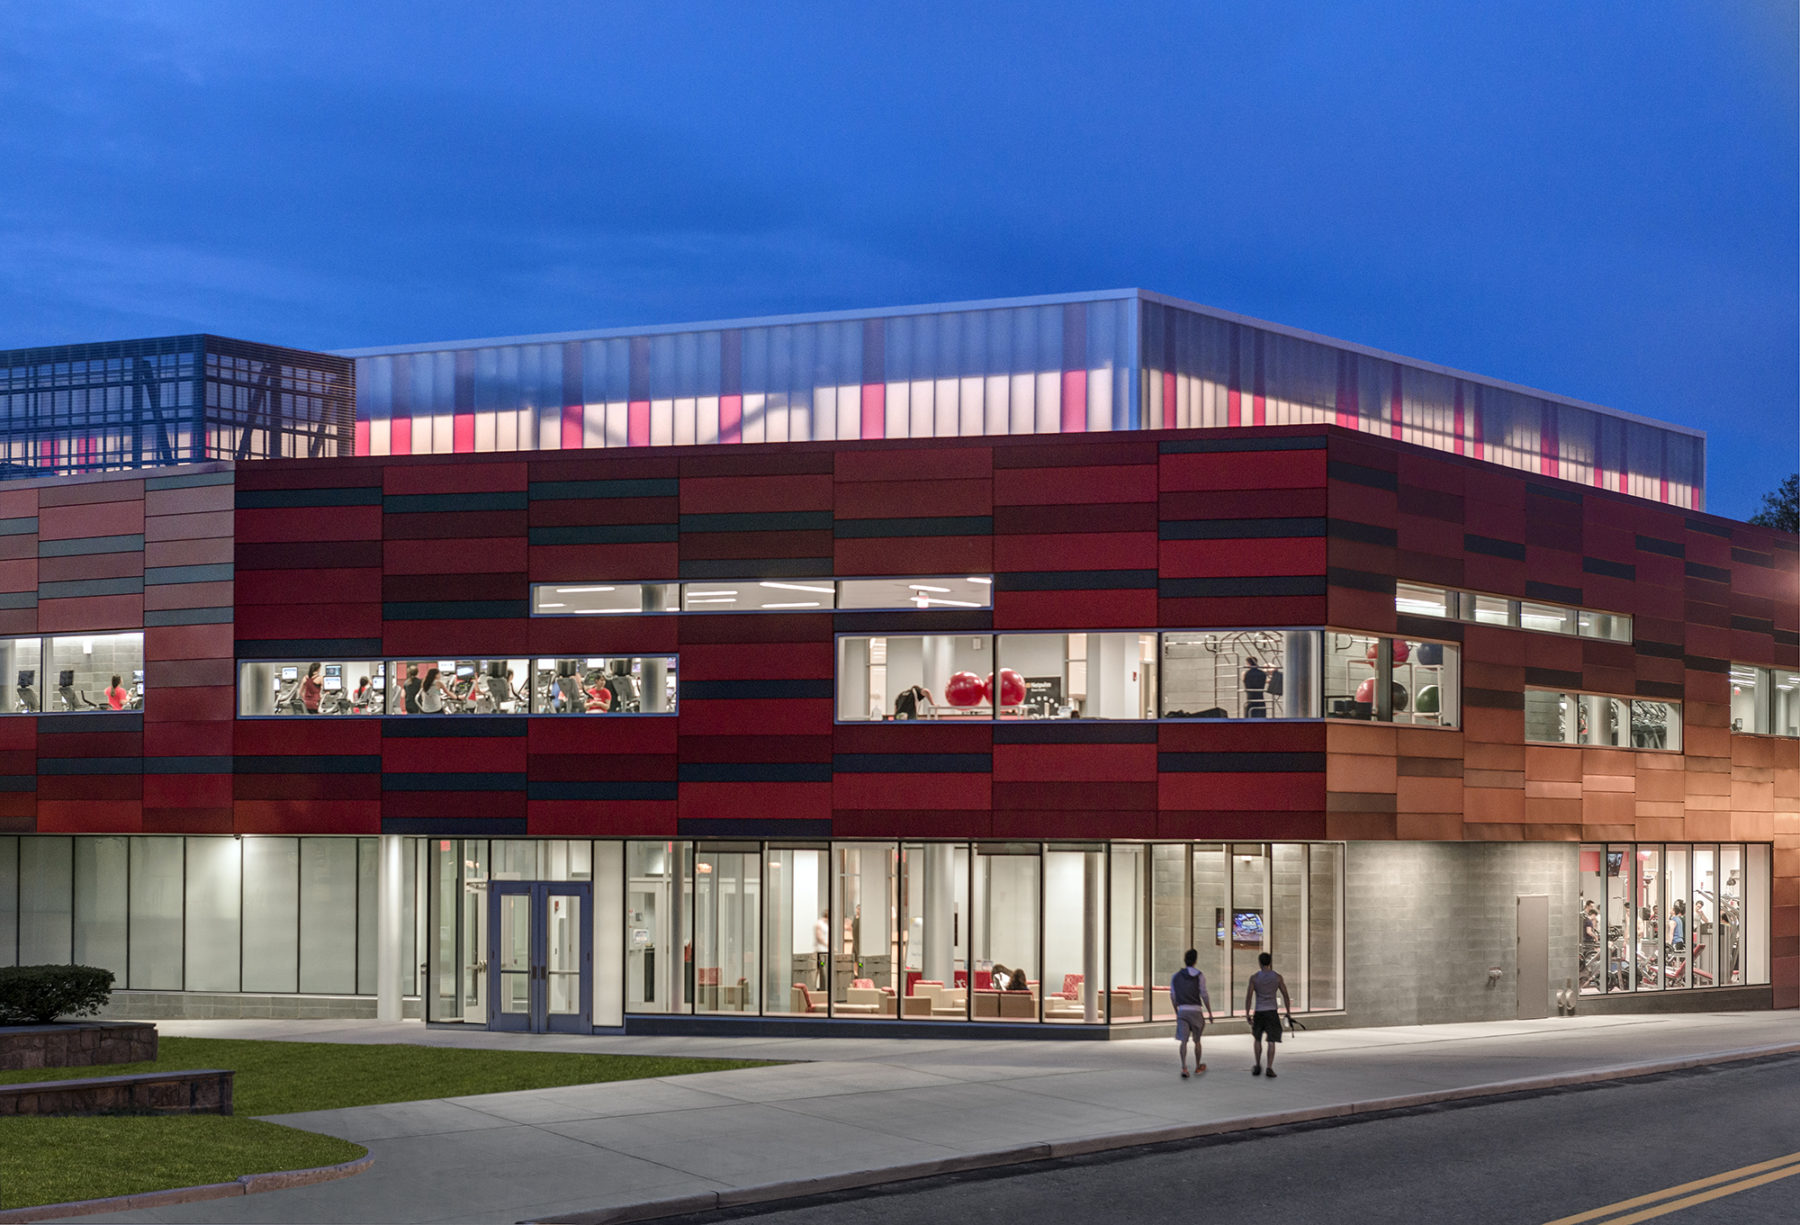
column 90, row 554
column 434, row 557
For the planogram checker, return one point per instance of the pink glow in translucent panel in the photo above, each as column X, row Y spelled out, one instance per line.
column 1234, row 396
column 462, row 433
column 1168, row 413
column 1459, row 418
column 362, row 437
column 1395, row 409
column 572, row 423
column 1074, row 401
column 1259, row 402
column 637, row 424
column 731, row 418
column 1549, row 451
column 400, row 440
column 874, row 410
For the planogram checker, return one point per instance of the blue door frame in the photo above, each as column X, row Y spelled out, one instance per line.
column 529, row 989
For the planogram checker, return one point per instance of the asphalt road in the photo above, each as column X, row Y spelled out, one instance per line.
column 1524, row 1161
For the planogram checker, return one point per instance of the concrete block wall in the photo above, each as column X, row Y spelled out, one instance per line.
column 1428, row 919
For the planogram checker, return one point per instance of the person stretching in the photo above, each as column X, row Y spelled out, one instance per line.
column 1187, row 991
column 1265, row 1021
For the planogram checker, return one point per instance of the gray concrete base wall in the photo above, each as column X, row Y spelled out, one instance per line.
column 1426, row 921
column 177, row 1005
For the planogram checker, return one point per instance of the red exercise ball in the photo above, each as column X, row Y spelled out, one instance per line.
column 1012, row 688
column 1401, row 651
column 964, row 689
column 1365, row 692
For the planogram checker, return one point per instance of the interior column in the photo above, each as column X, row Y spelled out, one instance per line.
column 1091, row 935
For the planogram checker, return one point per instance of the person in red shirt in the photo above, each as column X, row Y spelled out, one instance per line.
column 116, row 697
column 310, row 690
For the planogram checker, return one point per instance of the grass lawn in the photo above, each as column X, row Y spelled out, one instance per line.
column 281, row 1077
column 50, row 1161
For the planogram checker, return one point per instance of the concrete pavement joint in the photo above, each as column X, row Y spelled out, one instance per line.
column 800, row 1188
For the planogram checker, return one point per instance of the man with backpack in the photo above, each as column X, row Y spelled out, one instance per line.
column 1187, row 991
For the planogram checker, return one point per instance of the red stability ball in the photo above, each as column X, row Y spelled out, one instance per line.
column 1012, row 688
column 964, row 689
column 1401, row 651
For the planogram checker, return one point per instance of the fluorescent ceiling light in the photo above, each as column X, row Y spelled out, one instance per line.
column 802, row 604
column 601, row 612
column 552, row 605
column 926, row 587
column 799, row 587
column 575, row 590
column 973, row 579
column 926, row 601
column 692, row 593
column 724, row 601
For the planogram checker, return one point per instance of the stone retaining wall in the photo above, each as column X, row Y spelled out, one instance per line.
column 196, row 1092
column 78, row 1044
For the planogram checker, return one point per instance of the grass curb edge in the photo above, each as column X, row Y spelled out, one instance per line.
column 246, row 1184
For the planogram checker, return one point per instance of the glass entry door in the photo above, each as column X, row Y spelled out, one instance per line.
column 540, row 956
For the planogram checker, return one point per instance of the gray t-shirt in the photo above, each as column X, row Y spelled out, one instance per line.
column 1263, row 983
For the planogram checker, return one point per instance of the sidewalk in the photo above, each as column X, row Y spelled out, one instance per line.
column 860, row 1106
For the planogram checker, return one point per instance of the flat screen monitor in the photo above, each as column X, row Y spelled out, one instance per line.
column 290, row 674
column 334, row 682
column 466, row 671
column 1615, row 862
column 1247, row 927
column 334, row 670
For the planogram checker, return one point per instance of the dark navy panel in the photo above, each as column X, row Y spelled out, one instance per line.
column 1073, row 731
column 456, row 610
column 1553, row 592
column 90, row 765
column 456, row 827
column 88, row 545
column 1511, row 550
column 312, row 763
column 350, row 495
column 754, row 772
column 913, row 763
column 1238, row 529
column 759, row 521
column 1207, row 446
column 426, row 503
column 601, row 790
column 1356, row 474
column 1611, row 569
column 444, row 781
column 110, row 721
column 1240, row 763
column 949, row 525
column 566, row 491
column 188, row 765
column 774, row 687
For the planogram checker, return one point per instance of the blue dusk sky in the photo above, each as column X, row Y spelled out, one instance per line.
column 1597, row 200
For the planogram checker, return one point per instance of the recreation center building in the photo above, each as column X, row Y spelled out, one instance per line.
column 942, row 669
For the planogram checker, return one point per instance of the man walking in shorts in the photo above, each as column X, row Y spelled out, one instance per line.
column 1265, row 1021
column 1187, row 991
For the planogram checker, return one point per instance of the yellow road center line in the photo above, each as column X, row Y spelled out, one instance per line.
column 1702, row 1197
column 1711, row 1180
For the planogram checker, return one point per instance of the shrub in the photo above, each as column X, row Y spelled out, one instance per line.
column 37, row 995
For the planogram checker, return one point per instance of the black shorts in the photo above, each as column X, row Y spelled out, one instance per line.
column 1266, row 1025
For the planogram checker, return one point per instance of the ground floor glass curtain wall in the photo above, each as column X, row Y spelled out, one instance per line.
column 1667, row 916
column 949, row 931
column 259, row 914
